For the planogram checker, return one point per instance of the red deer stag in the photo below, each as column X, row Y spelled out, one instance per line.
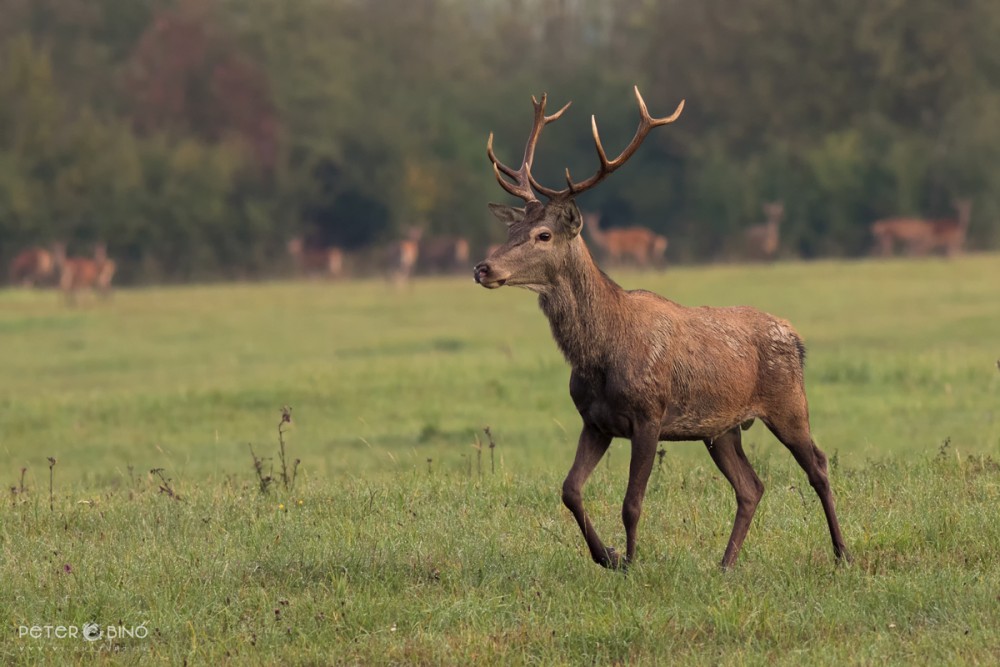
column 646, row 368
column 76, row 273
column 311, row 261
column 32, row 266
column 762, row 240
column 639, row 245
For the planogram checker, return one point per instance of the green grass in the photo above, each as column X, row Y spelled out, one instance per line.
column 379, row 556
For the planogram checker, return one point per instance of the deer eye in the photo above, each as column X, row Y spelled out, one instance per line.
column 545, row 236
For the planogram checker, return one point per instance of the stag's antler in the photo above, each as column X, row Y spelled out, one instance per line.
column 646, row 123
column 525, row 181
column 522, row 177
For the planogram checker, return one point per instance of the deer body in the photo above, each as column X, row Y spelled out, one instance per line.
column 637, row 244
column 77, row 273
column 914, row 234
column 919, row 236
column 762, row 240
column 949, row 234
column 695, row 373
column 402, row 256
column 32, row 266
column 646, row 368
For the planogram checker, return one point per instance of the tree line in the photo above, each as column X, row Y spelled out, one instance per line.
column 195, row 137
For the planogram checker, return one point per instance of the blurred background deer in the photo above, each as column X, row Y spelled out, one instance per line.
column 949, row 234
column 443, row 254
column 762, row 240
column 919, row 236
column 32, row 266
column 636, row 245
column 401, row 256
column 84, row 273
column 313, row 261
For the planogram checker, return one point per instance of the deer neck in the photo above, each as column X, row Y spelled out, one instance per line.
column 583, row 306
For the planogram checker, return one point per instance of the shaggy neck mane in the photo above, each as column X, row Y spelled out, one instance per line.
column 584, row 310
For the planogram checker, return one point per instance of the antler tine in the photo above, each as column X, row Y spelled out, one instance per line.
column 646, row 123
column 524, row 181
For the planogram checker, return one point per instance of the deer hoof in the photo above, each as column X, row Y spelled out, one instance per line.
column 614, row 560
column 844, row 557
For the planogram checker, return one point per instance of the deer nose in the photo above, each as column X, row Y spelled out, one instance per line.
column 481, row 271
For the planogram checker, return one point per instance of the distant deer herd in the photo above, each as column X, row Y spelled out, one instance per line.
column 416, row 253
column 40, row 266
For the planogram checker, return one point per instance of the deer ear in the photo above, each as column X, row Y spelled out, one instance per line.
column 507, row 214
column 572, row 219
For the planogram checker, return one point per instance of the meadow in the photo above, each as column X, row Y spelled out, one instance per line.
column 405, row 539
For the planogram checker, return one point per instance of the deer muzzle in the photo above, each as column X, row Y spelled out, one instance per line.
column 485, row 276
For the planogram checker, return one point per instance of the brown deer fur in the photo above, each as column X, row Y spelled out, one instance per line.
column 31, row 266
column 401, row 256
column 912, row 233
column 949, row 234
column 646, row 368
column 76, row 273
column 919, row 236
column 762, row 240
column 639, row 245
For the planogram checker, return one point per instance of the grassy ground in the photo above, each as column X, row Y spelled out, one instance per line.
column 391, row 547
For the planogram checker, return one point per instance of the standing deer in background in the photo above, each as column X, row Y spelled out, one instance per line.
column 31, row 266
column 762, row 240
column 444, row 254
column 642, row 246
column 919, row 236
column 76, row 273
column 949, row 234
column 327, row 262
column 646, row 368
column 402, row 255
column 912, row 233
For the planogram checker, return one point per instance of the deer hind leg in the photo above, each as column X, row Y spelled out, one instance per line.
column 793, row 432
column 589, row 451
column 727, row 452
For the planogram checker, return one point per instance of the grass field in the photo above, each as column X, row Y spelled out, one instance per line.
column 392, row 547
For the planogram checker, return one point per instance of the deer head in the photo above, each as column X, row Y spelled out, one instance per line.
column 543, row 239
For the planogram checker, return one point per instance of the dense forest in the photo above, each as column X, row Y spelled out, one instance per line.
column 196, row 137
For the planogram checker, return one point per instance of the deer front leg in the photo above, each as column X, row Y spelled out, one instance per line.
column 589, row 451
column 644, row 441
